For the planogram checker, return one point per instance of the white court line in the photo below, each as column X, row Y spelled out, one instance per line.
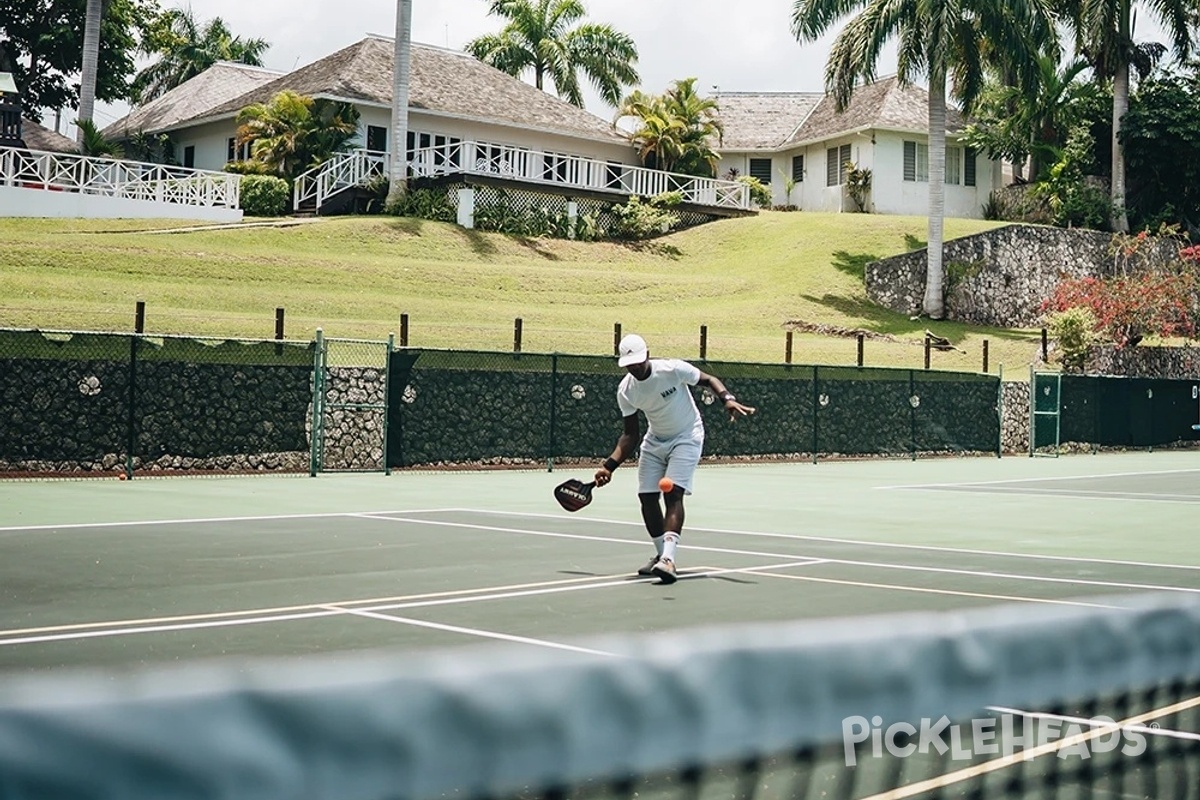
column 843, row 561
column 472, row 631
column 1042, row 479
column 288, row 609
column 1093, row 723
column 927, row 590
column 872, row 544
column 1091, row 494
column 559, row 535
column 195, row 520
column 951, row 778
column 389, row 606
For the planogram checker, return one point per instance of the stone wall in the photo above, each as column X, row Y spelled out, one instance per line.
column 1001, row 277
column 1015, row 417
column 1148, row 362
column 354, row 418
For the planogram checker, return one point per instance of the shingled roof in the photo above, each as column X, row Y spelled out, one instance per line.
column 763, row 120
column 37, row 137
column 218, row 84
column 444, row 81
column 775, row 121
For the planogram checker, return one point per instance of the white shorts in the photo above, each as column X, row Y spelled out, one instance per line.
column 673, row 458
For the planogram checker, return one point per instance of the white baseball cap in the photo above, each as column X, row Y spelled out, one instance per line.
column 632, row 350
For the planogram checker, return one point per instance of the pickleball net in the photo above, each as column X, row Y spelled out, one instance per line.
column 1009, row 702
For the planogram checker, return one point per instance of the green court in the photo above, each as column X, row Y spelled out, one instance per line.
column 114, row 573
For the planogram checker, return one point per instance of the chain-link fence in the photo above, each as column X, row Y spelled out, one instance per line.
column 81, row 403
column 1106, row 411
column 351, row 397
column 458, row 407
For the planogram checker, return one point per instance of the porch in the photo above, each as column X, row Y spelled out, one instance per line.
column 479, row 163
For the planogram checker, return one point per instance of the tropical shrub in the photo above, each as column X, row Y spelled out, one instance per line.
column 264, row 196
column 760, row 193
column 638, row 220
column 1075, row 331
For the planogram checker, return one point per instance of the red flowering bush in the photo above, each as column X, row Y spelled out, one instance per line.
column 1129, row 307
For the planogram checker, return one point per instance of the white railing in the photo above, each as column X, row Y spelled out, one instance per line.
column 523, row 164
column 342, row 171
column 133, row 180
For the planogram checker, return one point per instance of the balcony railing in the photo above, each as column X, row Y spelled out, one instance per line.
column 133, row 180
column 523, row 164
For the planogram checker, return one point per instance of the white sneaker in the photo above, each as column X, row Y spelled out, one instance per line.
column 648, row 570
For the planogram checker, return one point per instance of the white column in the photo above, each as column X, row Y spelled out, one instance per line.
column 572, row 215
column 466, row 207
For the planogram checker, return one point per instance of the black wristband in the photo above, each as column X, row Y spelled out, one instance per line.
column 611, row 464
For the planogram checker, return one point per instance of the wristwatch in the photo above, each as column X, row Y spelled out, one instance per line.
column 727, row 396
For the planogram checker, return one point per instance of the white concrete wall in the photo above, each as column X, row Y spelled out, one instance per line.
column 21, row 202
column 883, row 154
column 211, row 141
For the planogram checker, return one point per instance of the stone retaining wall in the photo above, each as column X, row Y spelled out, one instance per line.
column 1001, row 277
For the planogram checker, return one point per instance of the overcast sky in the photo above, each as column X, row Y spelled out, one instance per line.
column 743, row 46
column 738, row 46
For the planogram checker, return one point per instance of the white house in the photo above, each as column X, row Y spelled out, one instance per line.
column 801, row 137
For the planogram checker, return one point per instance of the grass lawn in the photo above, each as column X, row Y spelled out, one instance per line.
column 745, row 279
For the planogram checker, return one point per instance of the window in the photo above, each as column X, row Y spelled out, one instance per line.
column 969, row 167
column 377, row 139
column 916, row 162
column 953, row 165
column 761, row 168
column 189, row 155
column 235, row 153
column 798, row 168
column 835, row 165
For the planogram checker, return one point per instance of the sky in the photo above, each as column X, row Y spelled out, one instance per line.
column 737, row 47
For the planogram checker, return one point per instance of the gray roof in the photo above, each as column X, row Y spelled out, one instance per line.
column 762, row 120
column 443, row 81
column 217, row 84
column 775, row 121
column 37, row 137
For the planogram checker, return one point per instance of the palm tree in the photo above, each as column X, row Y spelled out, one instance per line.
column 91, row 57
column 539, row 37
column 292, row 133
column 1104, row 34
column 398, row 152
column 675, row 130
column 186, row 48
column 939, row 39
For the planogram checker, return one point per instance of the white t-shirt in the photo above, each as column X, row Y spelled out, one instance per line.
column 664, row 398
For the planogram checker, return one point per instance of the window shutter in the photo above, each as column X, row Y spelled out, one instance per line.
column 843, row 159
column 831, row 167
column 761, row 168
column 798, row 168
column 969, row 167
column 953, row 165
column 910, row 161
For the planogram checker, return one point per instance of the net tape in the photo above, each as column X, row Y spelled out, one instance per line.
column 488, row 722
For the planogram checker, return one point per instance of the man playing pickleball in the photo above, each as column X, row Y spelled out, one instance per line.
column 673, row 443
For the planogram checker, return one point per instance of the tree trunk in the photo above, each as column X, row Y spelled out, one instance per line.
column 398, row 153
column 934, row 304
column 1120, row 221
column 91, row 57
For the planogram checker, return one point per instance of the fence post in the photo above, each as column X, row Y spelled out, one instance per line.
column 279, row 330
column 703, row 342
column 927, row 351
column 1045, row 347
column 860, row 349
column 387, row 401
column 404, row 330
column 318, row 413
column 139, row 317
column 517, row 324
column 985, row 355
column 787, row 353
column 616, row 338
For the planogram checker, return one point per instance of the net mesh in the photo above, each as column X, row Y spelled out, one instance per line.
column 1004, row 702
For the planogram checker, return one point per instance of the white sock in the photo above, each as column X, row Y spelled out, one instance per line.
column 670, row 540
column 658, row 545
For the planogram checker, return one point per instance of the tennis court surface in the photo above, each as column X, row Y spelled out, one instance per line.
column 476, row 582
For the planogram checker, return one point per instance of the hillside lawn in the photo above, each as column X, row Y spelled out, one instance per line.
column 745, row 279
